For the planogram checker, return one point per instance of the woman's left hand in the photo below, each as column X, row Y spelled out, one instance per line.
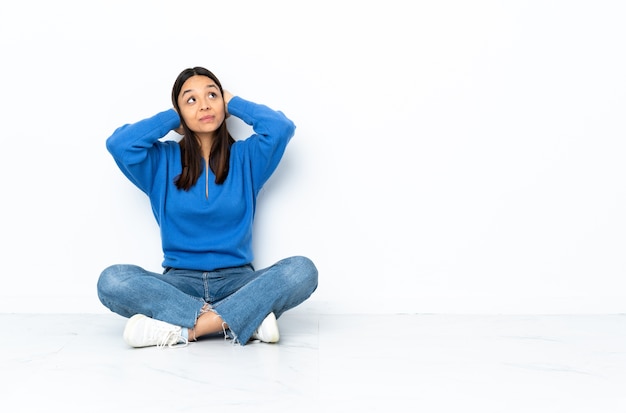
column 227, row 97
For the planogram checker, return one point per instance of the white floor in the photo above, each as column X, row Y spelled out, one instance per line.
column 325, row 363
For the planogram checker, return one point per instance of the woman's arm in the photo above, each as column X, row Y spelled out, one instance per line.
column 272, row 132
column 135, row 147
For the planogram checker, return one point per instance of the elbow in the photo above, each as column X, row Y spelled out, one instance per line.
column 114, row 141
column 111, row 145
column 289, row 128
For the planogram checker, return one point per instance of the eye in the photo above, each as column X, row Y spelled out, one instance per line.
column 191, row 100
column 212, row 95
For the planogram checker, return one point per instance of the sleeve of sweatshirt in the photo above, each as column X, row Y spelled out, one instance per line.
column 135, row 147
column 272, row 132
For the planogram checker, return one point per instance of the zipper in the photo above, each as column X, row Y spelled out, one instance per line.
column 206, row 179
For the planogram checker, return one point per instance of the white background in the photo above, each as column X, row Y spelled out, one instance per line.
column 450, row 156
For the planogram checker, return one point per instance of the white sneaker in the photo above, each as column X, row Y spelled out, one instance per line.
column 143, row 331
column 268, row 330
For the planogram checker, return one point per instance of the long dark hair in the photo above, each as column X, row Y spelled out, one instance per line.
column 190, row 155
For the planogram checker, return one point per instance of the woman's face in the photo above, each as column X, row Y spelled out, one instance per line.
column 201, row 105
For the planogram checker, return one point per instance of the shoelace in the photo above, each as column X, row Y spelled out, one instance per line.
column 171, row 339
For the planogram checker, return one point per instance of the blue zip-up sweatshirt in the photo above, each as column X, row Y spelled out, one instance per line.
column 197, row 232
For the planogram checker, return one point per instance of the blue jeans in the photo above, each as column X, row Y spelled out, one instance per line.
column 241, row 296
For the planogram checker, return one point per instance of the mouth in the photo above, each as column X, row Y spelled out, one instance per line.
column 207, row 118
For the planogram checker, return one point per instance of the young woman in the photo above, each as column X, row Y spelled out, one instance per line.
column 203, row 191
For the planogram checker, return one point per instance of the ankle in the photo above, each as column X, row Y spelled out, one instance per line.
column 191, row 334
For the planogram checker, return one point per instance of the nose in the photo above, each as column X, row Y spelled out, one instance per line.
column 206, row 104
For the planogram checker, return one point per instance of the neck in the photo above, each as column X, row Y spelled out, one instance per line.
column 205, row 145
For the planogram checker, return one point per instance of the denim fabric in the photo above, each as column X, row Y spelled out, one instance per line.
column 242, row 296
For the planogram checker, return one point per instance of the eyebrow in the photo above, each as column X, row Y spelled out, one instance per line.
column 191, row 90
